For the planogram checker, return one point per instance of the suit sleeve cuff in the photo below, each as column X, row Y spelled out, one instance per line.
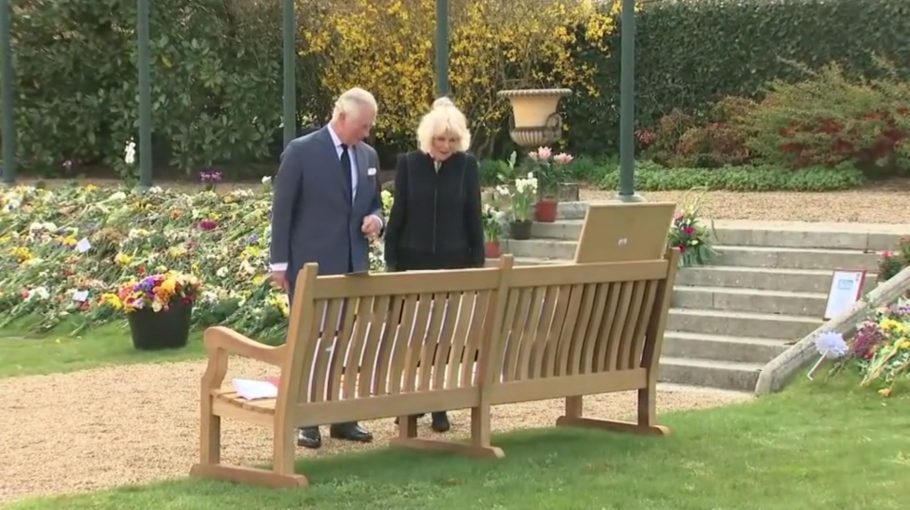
column 280, row 266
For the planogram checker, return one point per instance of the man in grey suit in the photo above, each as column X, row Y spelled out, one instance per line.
column 325, row 207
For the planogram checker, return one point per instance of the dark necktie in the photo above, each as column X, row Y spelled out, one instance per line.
column 346, row 171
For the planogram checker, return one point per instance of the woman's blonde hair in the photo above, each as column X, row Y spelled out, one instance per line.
column 444, row 117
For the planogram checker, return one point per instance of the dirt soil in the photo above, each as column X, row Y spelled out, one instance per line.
column 134, row 424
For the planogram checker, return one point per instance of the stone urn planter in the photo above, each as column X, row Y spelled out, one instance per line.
column 535, row 121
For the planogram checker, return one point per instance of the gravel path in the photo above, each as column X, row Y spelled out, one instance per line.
column 133, row 424
column 883, row 203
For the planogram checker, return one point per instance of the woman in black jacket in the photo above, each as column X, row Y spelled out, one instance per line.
column 436, row 220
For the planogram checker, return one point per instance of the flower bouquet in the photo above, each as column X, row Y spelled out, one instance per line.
column 691, row 237
column 880, row 349
column 159, row 308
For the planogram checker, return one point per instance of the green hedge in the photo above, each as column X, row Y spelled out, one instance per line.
column 651, row 177
column 691, row 53
column 216, row 82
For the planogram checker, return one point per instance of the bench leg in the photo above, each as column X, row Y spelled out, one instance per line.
column 479, row 446
column 249, row 475
column 646, row 416
column 209, row 434
column 209, row 465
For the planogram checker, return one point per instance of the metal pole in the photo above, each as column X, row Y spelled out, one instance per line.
column 6, row 63
column 442, row 48
column 627, row 104
column 145, row 97
column 289, row 116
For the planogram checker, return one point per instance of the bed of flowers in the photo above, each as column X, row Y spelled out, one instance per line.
column 65, row 253
column 879, row 351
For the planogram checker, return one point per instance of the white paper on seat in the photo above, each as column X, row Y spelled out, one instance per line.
column 252, row 389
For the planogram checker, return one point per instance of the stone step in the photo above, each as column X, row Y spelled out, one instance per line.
column 738, row 256
column 727, row 375
column 794, row 258
column 527, row 261
column 750, row 300
column 797, row 234
column 565, row 230
column 540, row 248
column 762, row 325
column 678, row 344
column 571, row 210
column 795, row 280
column 849, row 236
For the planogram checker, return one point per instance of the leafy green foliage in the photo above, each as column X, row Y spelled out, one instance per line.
column 652, row 177
column 216, row 89
column 680, row 140
column 692, row 53
column 828, row 119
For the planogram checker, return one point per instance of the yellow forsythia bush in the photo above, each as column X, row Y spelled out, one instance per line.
column 387, row 47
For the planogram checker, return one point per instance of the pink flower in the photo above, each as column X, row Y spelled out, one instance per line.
column 689, row 230
column 886, row 254
column 544, row 153
column 208, row 224
column 563, row 159
column 533, row 155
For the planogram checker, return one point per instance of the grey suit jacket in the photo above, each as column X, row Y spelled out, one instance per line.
column 312, row 218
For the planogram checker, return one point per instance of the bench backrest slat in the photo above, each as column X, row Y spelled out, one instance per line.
column 387, row 334
column 565, row 320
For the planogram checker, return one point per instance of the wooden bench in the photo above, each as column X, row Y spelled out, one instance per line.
column 419, row 342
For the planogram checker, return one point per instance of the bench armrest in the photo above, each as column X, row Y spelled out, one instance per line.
column 220, row 338
column 220, row 342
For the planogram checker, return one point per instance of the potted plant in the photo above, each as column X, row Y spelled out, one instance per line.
column 492, row 231
column 549, row 169
column 159, row 308
column 522, row 197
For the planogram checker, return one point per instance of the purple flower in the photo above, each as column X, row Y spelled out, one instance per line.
column 210, row 176
column 867, row 337
column 252, row 239
column 208, row 224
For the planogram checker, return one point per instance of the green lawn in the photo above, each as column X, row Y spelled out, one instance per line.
column 825, row 446
column 22, row 354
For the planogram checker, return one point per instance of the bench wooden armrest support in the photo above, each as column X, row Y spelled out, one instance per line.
column 220, row 338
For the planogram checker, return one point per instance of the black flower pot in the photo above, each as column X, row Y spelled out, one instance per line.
column 161, row 330
column 520, row 229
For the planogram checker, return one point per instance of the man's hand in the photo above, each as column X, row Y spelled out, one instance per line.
column 372, row 225
column 280, row 279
